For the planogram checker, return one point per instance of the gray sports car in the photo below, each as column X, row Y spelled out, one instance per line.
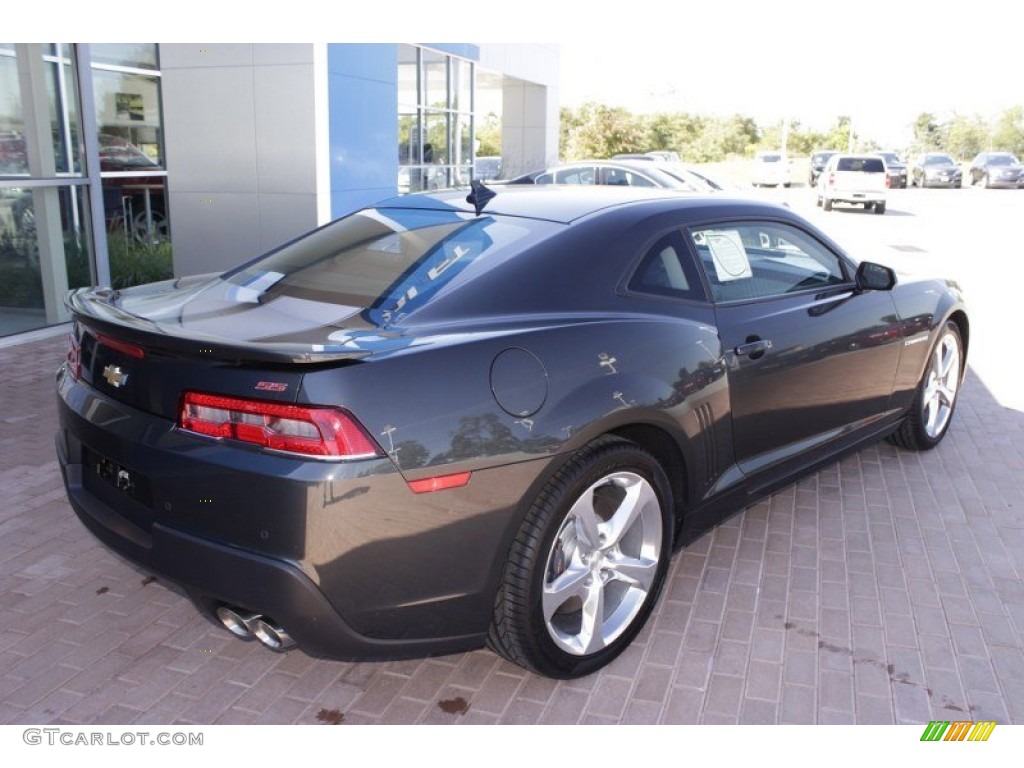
column 446, row 421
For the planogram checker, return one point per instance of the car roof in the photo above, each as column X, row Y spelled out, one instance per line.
column 565, row 204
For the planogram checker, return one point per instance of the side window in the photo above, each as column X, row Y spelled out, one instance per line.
column 668, row 270
column 576, row 176
column 620, row 177
column 757, row 260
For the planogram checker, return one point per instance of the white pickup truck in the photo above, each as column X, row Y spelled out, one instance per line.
column 854, row 179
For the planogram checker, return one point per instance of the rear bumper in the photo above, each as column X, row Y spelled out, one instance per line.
column 343, row 556
column 855, row 196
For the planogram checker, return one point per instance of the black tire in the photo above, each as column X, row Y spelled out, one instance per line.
column 879, row 208
column 551, row 636
column 921, row 182
column 868, row 206
column 985, row 181
column 826, row 204
column 919, row 432
column 817, row 200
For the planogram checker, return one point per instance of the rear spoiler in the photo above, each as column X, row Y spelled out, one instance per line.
column 95, row 308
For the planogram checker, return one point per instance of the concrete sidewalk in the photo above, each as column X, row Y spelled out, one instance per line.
column 884, row 589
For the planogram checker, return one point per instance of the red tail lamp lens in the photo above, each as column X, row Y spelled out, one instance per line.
column 306, row 431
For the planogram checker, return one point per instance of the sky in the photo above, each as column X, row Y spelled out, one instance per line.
column 882, row 63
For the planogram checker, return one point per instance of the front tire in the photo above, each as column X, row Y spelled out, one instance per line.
column 586, row 566
column 827, row 204
column 932, row 411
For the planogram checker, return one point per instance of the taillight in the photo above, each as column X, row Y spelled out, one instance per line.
column 888, row 182
column 74, row 358
column 307, row 431
column 831, row 178
column 132, row 350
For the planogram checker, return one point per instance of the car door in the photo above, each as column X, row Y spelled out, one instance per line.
column 810, row 360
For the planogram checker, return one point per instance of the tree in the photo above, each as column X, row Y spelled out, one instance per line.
column 928, row 133
column 966, row 136
column 488, row 136
column 1008, row 132
column 597, row 131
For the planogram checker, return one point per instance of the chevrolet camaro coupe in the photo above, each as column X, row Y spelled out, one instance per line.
column 449, row 421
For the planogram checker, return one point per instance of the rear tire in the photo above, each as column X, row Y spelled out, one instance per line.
column 827, row 204
column 879, row 208
column 586, row 566
column 935, row 401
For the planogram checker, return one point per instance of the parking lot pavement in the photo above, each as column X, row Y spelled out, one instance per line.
column 886, row 588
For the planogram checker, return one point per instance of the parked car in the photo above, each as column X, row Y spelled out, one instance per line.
column 895, row 168
column 622, row 173
column 771, row 169
column 853, row 179
column 487, row 168
column 936, row 169
column 449, row 420
column 818, row 160
column 664, row 156
column 997, row 169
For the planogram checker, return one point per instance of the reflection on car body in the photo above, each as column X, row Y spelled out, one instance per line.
column 438, row 423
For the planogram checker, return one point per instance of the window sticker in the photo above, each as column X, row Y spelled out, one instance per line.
column 729, row 255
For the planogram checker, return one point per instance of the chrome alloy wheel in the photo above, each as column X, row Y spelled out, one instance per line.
column 941, row 384
column 602, row 564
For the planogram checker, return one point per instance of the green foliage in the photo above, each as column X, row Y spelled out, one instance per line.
column 596, row 130
column 966, row 136
column 928, row 133
column 131, row 263
column 1008, row 132
column 134, row 263
column 488, row 136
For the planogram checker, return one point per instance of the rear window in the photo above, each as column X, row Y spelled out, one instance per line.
column 863, row 164
column 388, row 262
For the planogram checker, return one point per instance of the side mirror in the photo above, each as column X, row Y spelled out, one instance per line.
column 875, row 277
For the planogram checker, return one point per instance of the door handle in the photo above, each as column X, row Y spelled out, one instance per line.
column 753, row 349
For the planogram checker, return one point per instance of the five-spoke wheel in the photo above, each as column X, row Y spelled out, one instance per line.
column 587, row 563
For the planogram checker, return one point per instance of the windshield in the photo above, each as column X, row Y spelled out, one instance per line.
column 770, row 158
column 939, row 160
column 889, row 157
column 1002, row 160
column 387, row 262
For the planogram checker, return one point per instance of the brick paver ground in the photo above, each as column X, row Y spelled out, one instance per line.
column 884, row 589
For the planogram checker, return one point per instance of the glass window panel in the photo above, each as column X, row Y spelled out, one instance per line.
column 462, row 88
column 408, row 78
column 21, row 284
column 136, row 208
column 128, row 120
column 436, row 147
column 435, row 80
column 409, row 140
column 67, row 134
column 13, row 154
column 464, row 143
column 138, row 230
column 139, row 55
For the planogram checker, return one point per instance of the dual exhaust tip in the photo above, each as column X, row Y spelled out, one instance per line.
column 247, row 625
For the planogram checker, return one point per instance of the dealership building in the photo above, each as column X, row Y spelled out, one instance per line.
column 126, row 163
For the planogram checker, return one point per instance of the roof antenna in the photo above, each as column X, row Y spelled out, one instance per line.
column 480, row 196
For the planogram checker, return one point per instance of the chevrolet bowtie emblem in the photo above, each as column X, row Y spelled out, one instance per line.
column 115, row 376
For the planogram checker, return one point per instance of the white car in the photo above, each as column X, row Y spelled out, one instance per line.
column 854, row 179
column 771, row 169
